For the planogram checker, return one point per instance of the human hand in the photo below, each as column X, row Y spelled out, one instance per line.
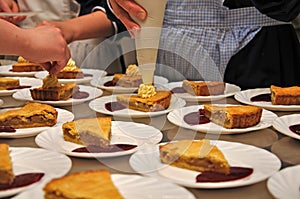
column 64, row 27
column 10, row 6
column 47, row 46
column 124, row 8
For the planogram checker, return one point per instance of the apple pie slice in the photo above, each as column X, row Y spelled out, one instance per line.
column 160, row 101
column 31, row 115
column 197, row 155
column 233, row 116
column 6, row 170
column 89, row 131
column 285, row 96
column 86, row 184
column 204, row 88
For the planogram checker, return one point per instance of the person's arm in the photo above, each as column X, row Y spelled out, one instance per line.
column 11, row 6
column 282, row 10
column 93, row 25
column 44, row 45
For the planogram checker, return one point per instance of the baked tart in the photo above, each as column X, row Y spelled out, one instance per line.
column 52, row 90
column 24, row 65
column 285, row 96
column 233, row 116
column 197, row 155
column 6, row 169
column 70, row 71
column 204, row 88
column 90, row 131
column 87, row 184
column 30, row 115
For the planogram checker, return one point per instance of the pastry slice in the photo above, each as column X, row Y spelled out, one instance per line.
column 6, row 83
column 62, row 92
column 82, row 185
column 285, row 96
column 90, row 131
column 31, row 115
column 203, row 88
column 233, row 116
column 6, row 169
column 24, row 65
column 127, row 81
column 160, row 101
column 70, row 71
column 197, row 155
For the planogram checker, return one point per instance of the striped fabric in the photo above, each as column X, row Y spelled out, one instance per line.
column 200, row 36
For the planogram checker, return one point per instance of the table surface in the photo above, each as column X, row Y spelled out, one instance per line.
column 286, row 148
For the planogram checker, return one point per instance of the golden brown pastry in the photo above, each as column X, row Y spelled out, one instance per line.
column 82, row 185
column 203, row 88
column 197, row 155
column 233, row 116
column 6, row 170
column 285, row 96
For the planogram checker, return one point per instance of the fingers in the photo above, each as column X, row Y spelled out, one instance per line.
column 133, row 9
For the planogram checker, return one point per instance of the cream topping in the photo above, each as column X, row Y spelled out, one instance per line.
column 22, row 60
column 71, row 66
column 133, row 70
column 146, row 91
column 51, row 81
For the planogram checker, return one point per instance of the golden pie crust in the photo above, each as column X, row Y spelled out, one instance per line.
column 31, row 115
column 6, row 83
column 233, row 116
column 127, row 81
column 197, row 155
column 285, row 96
column 203, row 88
column 63, row 92
column 90, row 131
column 6, row 169
column 86, row 185
column 160, row 101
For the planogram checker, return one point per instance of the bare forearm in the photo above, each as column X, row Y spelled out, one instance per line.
column 12, row 39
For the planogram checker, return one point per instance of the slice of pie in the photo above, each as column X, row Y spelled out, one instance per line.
column 31, row 115
column 285, row 96
column 6, row 169
column 233, row 116
column 6, row 83
column 63, row 92
column 197, row 155
column 70, row 71
column 85, row 185
column 127, row 81
column 160, row 101
column 203, row 88
column 90, row 131
column 24, row 65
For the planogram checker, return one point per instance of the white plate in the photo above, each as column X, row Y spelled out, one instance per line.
column 158, row 80
column 283, row 123
column 285, row 183
column 122, row 133
column 131, row 187
column 27, row 160
column 230, row 90
column 6, row 71
column 92, row 73
column 176, row 117
column 264, row 164
column 98, row 105
column 24, row 81
column 246, row 95
column 25, row 95
column 62, row 117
